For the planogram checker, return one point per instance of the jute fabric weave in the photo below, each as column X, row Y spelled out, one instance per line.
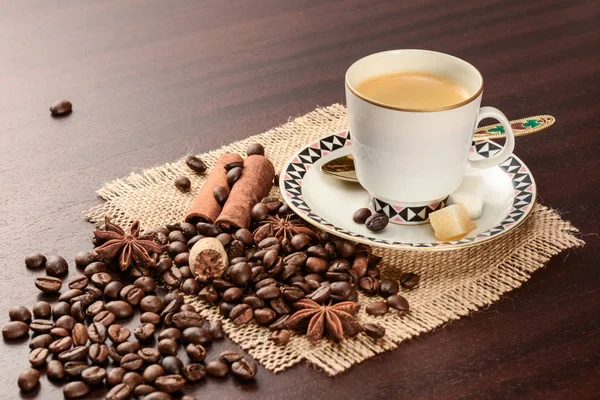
column 453, row 283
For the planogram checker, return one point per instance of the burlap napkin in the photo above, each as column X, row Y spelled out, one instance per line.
column 453, row 283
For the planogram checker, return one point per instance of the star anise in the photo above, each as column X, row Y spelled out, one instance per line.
column 336, row 321
column 282, row 228
column 129, row 247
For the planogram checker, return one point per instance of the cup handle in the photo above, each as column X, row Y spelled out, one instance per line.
column 509, row 145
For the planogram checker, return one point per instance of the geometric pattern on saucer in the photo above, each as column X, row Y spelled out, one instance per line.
column 405, row 215
column 521, row 178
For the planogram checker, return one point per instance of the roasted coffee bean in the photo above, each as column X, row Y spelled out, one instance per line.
column 173, row 277
column 85, row 258
column 291, row 294
column 105, row 317
column 144, row 332
column 120, row 308
column 170, row 307
column 264, row 316
column 28, row 379
column 187, row 307
column 170, row 383
column 97, row 332
column 77, row 353
column 409, row 280
column 59, row 332
column 229, row 357
column 279, row 323
column 317, row 265
column 255, row 149
column 340, row 291
column 19, row 313
column 146, row 283
column 330, row 248
column 194, row 372
column 95, row 308
column 281, row 337
column 93, row 375
column 388, row 287
column 131, row 294
column 300, row 242
column 280, row 306
column 233, row 164
column 221, row 193
column 320, row 295
column 168, row 347
column 115, row 376
column 183, row 183
column 268, row 292
column 177, row 236
column 360, row 265
column 150, row 317
column 114, row 355
column 55, row 370
column 265, row 282
column 149, row 354
column 170, row 333
column 253, row 302
column 236, row 249
column 120, row 391
column 232, row 294
column 185, row 319
column 93, row 292
column 60, row 345
column 190, row 286
column 182, row 259
column 369, row 285
column 217, row 369
column 345, row 248
column 196, row 335
column 85, row 299
column 128, row 348
column 133, row 379
column 38, row 356
column 233, row 175
column 48, row 284
column 75, row 390
column 152, row 303
column 259, row 212
column 79, row 334
column 398, row 302
column 40, row 325
column 196, row 352
column 316, row 251
column 241, row 314
column 42, row 309
column 208, row 294
column 298, row 259
column 152, row 372
column 304, row 286
column 374, row 331
column 206, row 229
column 112, row 290
column 35, row 261
column 377, row 308
column 225, row 308
column 189, row 230
column 313, row 284
column 101, row 279
column 176, row 248
column 339, row 265
column 98, row 353
column 94, row 268
column 42, row 340
column 338, row 277
column 216, row 330
column 361, row 215
column 131, row 362
column 56, row 265
column 240, row 274
column 79, row 281
column 284, row 210
column 143, row 390
column 377, row 222
column 244, row 369
column 61, row 107
column 171, row 365
column 195, row 164
column 73, row 369
column 224, row 238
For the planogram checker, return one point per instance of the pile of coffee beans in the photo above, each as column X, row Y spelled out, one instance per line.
column 82, row 341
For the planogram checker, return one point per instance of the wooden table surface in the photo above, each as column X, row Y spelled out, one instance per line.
column 151, row 80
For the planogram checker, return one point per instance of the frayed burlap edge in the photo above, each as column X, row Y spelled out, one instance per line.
column 453, row 284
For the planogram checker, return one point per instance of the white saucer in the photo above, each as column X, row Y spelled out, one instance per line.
column 328, row 203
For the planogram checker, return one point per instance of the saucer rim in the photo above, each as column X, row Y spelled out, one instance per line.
column 403, row 247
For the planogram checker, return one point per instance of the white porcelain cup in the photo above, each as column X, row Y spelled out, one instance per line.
column 411, row 160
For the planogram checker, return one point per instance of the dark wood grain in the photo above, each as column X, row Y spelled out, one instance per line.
column 151, row 80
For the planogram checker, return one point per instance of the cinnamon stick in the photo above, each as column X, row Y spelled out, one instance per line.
column 250, row 188
column 205, row 207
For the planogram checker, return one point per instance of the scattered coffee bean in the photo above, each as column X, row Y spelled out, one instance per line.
column 361, row 215
column 195, row 352
column 233, row 175
column 35, row 261
column 60, row 345
column 55, row 370
column 168, row 347
column 149, row 354
column 183, row 183
column 255, row 149
column 398, row 302
column 42, row 309
column 120, row 391
column 98, row 353
column 85, row 258
column 281, row 337
column 169, row 383
column 244, row 369
column 105, row 317
column 77, row 353
column 409, row 280
column 194, row 373
column 171, row 365
column 131, row 362
column 196, row 335
column 241, row 314
column 79, row 334
column 93, row 375
column 196, row 164
column 75, row 390
column 144, row 332
column 61, row 308
column 120, row 308
column 61, row 107
column 56, row 265
column 221, row 193
column 42, row 340
column 216, row 330
column 217, row 369
column 170, row 333
column 48, row 284
column 41, row 325
column 374, row 331
column 259, row 212
column 369, row 285
column 150, row 317
column 388, row 287
column 377, row 222
column 38, row 356
column 28, row 379
column 377, row 308
column 128, row 348
column 115, row 376
column 233, row 164
column 143, row 390
column 185, row 319
column 133, row 379
column 264, row 316
column 152, row 372
column 19, row 313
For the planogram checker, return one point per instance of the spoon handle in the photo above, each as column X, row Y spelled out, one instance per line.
column 521, row 127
